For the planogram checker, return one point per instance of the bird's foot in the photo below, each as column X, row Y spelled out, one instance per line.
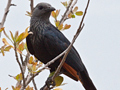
column 50, row 83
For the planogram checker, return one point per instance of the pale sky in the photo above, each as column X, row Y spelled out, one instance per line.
column 98, row 44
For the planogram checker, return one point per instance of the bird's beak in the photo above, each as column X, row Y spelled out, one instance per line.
column 51, row 8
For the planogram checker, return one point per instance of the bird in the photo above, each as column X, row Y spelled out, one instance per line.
column 46, row 42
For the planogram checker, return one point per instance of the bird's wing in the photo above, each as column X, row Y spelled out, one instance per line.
column 29, row 44
column 56, row 43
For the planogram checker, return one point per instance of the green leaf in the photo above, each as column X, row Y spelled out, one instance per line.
column 18, row 77
column 58, row 80
column 51, row 74
column 79, row 13
column 7, row 48
column 73, row 16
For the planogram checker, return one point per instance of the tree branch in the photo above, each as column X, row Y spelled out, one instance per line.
column 68, row 10
column 34, row 84
column 31, row 5
column 5, row 14
column 19, row 64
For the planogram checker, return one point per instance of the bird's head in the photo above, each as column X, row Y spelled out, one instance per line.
column 42, row 10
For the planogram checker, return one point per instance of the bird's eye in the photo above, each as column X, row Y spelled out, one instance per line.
column 40, row 7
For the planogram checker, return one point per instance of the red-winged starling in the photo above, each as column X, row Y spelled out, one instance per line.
column 47, row 42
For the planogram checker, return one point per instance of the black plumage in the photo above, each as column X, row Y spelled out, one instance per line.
column 47, row 42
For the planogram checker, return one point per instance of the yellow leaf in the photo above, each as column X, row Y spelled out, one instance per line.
column 75, row 9
column 57, row 12
column 34, row 68
column 12, row 36
column 57, row 89
column 25, row 46
column 5, row 41
column 21, row 46
column 79, row 13
column 26, row 33
column 65, row 4
column 29, row 88
column 66, row 26
column 70, row 15
column 2, row 50
column 57, row 23
column 21, row 76
column 20, row 37
column 60, row 26
column 6, row 88
column 7, row 48
column 53, row 14
column 2, row 29
column 16, row 35
column 58, row 80
column 30, row 60
column 28, row 14
column 13, row 87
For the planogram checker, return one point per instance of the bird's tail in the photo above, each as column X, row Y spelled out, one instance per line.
column 86, row 81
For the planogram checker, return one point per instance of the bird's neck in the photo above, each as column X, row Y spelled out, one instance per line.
column 41, row 19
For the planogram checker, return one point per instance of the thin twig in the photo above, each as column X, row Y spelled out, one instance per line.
column 31, row 5
column 46, row 65
column 25, row 62
column 68, row 10
column 34, row 84
column 5, row 14
column 17, row 59
column 65, row 16
column 21, row 59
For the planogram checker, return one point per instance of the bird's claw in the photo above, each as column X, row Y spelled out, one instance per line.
column 50, row 83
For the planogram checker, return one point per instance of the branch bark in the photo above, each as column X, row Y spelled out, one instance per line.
column 5, row 14
column 17, row 59
column 31, row 6
column 34, row 84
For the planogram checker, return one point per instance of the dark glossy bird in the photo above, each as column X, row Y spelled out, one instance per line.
column 47, row 42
